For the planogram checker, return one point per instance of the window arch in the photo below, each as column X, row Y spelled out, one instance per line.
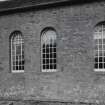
column 99, row 55
column 17, row 52
column 48, row 50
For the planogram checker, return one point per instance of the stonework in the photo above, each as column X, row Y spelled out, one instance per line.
column 75, row 80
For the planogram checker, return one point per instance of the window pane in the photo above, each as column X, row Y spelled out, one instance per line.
column 96, row 65
column 51, row 66
column 51, row 61
column 44, row 50
column 17, row 68
column 54, row 55
column 44, row 46
column 44, row 55
column 55, row 66
column 47, row 67
column 20, row 67
column 54, row 49
column 47, row 61
column 47, row 50
column 47, row 46
column 51, row 55
column 54, row 60
column 51, row 49
column 44, row 67
column 100, row 59
column 43, row 61
column 100, row 65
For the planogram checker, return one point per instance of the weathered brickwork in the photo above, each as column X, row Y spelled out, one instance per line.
column 75, row 79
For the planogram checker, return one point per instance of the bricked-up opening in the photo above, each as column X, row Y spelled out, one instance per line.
column 48, row 50
column 99, row 38
column 17, row 52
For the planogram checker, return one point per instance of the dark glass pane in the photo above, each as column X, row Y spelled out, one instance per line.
column 17, row 57
column 100, row 59
column 50, row 45
column 55, row 66
column 54, row 50
column 43, row 61
column 47, row 66
column 51, row 50
column 47, row 61
column 96, row 65
column 51, row 66
column 43, row 45
column 100, row 65
column 20, row 68
column 104, row 65
column 96, row 59
column 54, row 60
column 51, row 55
column 47, row 50
column 44, row 67
column 44, row 50
column 21, row 62
column 17, row 68
column 47, row 46
column 47, row 55
column 54, row 55
column 17, row 63
column 51, row 61
column 44, row 55
column 104, row 59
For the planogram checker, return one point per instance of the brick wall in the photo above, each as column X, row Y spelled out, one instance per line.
column 75, row 79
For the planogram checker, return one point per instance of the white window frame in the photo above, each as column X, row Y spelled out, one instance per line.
column 14, row 42
column 45, row 42
column 100, row 34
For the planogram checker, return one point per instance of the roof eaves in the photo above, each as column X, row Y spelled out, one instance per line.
column 33, row 5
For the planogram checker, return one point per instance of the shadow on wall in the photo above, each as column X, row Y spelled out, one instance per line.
column 46, row 103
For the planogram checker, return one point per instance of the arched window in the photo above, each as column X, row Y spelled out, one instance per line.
column 99, row 55
column 17, row 52
column 48, row 50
